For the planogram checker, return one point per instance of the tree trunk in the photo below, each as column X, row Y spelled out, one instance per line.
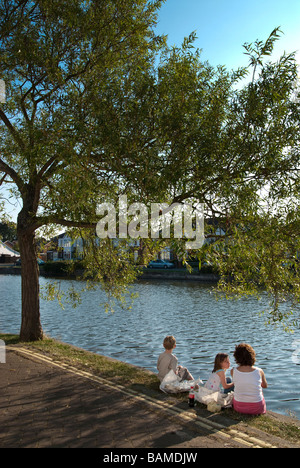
column 31, row 329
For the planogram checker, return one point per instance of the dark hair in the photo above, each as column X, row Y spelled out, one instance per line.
column 244, row 355
column 220, row 357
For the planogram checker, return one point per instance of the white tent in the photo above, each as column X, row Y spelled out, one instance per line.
column 4, row 250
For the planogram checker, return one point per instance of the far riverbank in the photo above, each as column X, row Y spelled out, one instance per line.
column 58, row 269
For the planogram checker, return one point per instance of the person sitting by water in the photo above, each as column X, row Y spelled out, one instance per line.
column 248, row 382
column 168, row 361
column 218, row 382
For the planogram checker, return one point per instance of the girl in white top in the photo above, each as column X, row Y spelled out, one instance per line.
column 248, row 382
column 217, row 381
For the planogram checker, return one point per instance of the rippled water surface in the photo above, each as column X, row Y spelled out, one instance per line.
column 189, row 311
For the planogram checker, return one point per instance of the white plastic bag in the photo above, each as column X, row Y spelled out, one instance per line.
column 213, row 400
column 172, row 384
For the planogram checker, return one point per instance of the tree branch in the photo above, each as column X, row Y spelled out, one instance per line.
column 3, row 178
column 43, row 220
column 46, row 166
column 12, row 130
column 13, row 174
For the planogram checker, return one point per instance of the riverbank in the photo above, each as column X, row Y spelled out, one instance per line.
column 57, row 269
column 272, row 427
column 203, row 325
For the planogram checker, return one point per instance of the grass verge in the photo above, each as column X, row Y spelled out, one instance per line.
column 147, row 382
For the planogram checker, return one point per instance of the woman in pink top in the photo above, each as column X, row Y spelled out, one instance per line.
column 248, row 382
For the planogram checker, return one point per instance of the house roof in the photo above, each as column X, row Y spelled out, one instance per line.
column 4, row 250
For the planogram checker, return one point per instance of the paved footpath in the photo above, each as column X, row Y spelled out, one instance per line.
column 47, row 404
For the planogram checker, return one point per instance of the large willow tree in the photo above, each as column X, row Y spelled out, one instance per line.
column 98, row 106
column 52, row 54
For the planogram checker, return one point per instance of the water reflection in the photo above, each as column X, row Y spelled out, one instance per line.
column 189, row 311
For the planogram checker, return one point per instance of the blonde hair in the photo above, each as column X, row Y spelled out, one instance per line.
column 169, row 342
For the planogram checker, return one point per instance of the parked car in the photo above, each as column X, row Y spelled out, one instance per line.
column 40, row 262
column 160, row 264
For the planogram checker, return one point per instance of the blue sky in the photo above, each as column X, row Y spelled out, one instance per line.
column 223, row 26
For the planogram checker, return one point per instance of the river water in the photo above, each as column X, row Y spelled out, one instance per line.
column 188, row 310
